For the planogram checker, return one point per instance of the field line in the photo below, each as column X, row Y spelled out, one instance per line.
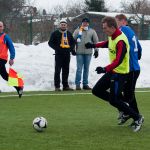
column 47, row 94
column 58, row 94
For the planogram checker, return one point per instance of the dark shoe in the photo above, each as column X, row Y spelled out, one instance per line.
column 78, row 87
column 57, row 89
column 138, row 124
column 20, row 91
column 67, row 89
column 86, row 87
column 123, row 119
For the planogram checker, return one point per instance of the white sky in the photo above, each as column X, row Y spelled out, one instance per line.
column 49, row 4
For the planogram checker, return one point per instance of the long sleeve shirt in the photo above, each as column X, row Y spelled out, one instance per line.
column 120, row 53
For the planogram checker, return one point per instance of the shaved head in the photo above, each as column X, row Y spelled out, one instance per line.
column 1, row 23
column 1, row 26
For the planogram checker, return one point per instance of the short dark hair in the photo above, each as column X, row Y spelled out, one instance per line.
column 121, row 17
column 111, row 22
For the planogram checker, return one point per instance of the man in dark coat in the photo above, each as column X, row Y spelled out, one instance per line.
column 63, row 43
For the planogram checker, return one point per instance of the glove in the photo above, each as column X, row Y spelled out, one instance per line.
column 139, row 55
column 95, row 54
column 89, row 45
column 73, row 53
column 100, row 70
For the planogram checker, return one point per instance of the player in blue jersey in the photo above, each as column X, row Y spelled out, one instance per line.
column 135, row 55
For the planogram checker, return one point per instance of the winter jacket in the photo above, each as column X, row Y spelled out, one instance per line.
column 55, row 41
column 87, row 36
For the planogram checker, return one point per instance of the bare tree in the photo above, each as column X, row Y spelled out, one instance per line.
column 74, row 9
column 141, row 11
column 58, row 9
column 136, row 7
column 140, row 8
column 11, row 8
column 69, row 10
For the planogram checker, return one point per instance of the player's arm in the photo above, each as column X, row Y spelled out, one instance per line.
column 103, row 44
column 139, row 50
column 10, row 46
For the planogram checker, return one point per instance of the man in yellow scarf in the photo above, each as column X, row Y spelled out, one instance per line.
column 63, row 43
column 82, row 35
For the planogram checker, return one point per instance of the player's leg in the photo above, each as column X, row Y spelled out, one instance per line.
column 101, row 87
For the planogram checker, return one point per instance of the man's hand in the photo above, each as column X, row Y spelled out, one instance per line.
column 73, row 53
column 100, row 70
column 89, row 45
column 95, row 54
column 11, row 62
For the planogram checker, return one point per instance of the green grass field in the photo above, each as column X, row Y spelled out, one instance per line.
column 75, row 122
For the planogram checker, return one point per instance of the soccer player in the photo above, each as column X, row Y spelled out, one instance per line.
column 135, row 55
column 116, row 72
column 5, row 44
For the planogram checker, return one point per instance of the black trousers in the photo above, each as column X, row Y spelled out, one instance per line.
column 3, row 71
column 109, row 88
column 129, row 89
column 62, row 63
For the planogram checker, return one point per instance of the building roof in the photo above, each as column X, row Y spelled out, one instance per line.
column 134, row 18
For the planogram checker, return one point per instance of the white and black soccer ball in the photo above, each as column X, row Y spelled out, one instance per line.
column 39, row 124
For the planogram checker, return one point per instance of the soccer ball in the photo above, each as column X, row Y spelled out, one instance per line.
column 39, row 124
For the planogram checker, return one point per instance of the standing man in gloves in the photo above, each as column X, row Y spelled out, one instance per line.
column 63, row 43
column 83, row 35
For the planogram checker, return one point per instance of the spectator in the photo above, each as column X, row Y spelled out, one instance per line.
column 83, row 35
column 63, row 43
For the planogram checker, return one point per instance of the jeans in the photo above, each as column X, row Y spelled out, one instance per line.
column 83, row 63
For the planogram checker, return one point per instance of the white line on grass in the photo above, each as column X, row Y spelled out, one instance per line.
column 143, row 91
column 59, row 94
column 46, row 94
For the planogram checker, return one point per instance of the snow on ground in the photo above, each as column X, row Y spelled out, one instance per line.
column 36, row 64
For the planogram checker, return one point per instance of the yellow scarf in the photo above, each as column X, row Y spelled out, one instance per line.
column 80, row 34
column 64, row 40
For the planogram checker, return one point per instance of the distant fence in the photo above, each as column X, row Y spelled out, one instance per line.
column 29, row 30
column 32, row 30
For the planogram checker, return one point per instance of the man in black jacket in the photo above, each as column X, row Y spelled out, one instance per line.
column 63, row 43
